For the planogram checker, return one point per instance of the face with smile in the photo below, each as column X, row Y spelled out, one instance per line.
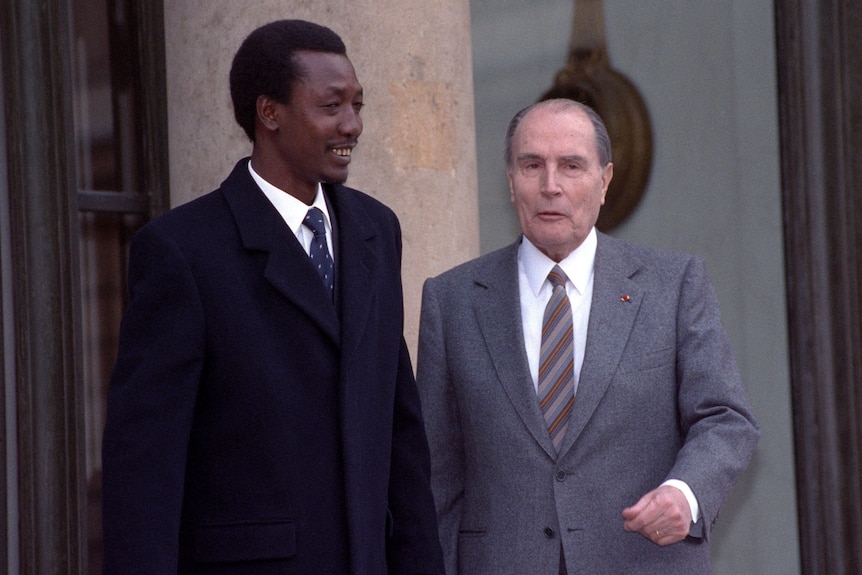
column 556, row 179
column 310, row 138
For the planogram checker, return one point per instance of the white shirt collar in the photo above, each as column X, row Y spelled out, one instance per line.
column 291, row 209
column 578, row 265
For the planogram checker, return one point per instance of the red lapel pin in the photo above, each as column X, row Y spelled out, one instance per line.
column 625, row 299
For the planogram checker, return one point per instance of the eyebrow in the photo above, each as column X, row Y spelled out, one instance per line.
column 533, row 156
column 528, row 157
column 574, row 158
column 340, row 91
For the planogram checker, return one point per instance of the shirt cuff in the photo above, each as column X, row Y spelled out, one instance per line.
column 689, row 496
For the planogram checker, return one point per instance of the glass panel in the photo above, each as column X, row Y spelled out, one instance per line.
column 103, row 247
column 104, row 98
column 107, row 147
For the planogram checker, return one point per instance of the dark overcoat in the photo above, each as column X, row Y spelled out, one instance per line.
column 253, row 426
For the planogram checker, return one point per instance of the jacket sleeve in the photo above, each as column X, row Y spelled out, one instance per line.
column 414, row 547
column 150, row 406
column 715, row 416
column 442, row 424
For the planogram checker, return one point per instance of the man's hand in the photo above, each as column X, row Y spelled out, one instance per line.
column 663, row 516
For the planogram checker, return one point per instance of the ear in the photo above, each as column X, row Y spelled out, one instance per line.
column 607, row 176
column 267, row 113
column 511, row 185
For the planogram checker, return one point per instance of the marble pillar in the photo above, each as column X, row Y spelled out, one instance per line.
column 417, row 152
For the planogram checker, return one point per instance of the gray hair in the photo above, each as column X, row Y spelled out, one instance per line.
column 603, row 141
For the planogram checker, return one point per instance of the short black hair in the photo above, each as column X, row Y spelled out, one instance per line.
column 264, row 65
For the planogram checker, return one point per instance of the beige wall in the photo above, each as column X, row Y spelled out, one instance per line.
column 417, row 151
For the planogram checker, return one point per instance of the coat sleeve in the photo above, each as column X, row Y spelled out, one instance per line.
column 715, row 416
column 413, row 546
column 150, row 406
column 442, row 424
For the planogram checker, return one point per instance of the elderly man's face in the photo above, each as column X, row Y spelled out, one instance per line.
column 556, row 179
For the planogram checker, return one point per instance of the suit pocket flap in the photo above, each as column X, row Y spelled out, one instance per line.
column 649, row 360
column 245, row 542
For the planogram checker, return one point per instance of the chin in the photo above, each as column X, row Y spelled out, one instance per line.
column 334, row 178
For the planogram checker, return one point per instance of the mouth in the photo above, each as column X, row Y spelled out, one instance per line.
column 343, row 151
column 550, row 215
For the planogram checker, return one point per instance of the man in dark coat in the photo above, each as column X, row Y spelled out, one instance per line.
column 262, row 415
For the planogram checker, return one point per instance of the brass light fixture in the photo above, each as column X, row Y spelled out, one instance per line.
column 589, row 78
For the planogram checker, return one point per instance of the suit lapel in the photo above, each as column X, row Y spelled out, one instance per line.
column 498, row 313
column 287, row 267
column 615, row 304
column 355, row 265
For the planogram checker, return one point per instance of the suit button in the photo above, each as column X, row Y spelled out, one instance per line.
column 549, row 533
column 560, row 475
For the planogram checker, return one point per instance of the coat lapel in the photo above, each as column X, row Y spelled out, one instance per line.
column 287, row 267
column 498, row 313
column 355, row 265
column 616, row 301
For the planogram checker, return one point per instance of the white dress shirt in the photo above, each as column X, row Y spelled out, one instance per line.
column 293, row 211
column 535, row 290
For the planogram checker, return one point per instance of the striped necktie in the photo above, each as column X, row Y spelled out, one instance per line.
column 556, row 360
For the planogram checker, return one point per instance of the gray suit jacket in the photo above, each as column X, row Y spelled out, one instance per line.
column 660, row 397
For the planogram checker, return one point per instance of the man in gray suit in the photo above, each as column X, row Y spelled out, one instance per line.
column 583, row 407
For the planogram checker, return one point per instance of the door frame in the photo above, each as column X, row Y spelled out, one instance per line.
column 819, row 79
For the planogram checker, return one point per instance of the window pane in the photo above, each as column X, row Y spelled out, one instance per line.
column 107, row 147
column 103, row 248
column 104, row 96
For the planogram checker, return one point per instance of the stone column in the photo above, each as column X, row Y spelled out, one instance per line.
column 417, row 153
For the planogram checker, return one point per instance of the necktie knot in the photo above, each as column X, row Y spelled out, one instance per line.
column 314, row 221
column 557, row 277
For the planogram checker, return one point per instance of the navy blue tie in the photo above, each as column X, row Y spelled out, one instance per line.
column 319, row 251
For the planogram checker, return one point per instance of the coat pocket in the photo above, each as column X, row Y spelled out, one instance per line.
column 650, row 360
column 244, row 542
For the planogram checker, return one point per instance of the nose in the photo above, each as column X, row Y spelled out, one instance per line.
column 351, row 123
column 550, row 181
